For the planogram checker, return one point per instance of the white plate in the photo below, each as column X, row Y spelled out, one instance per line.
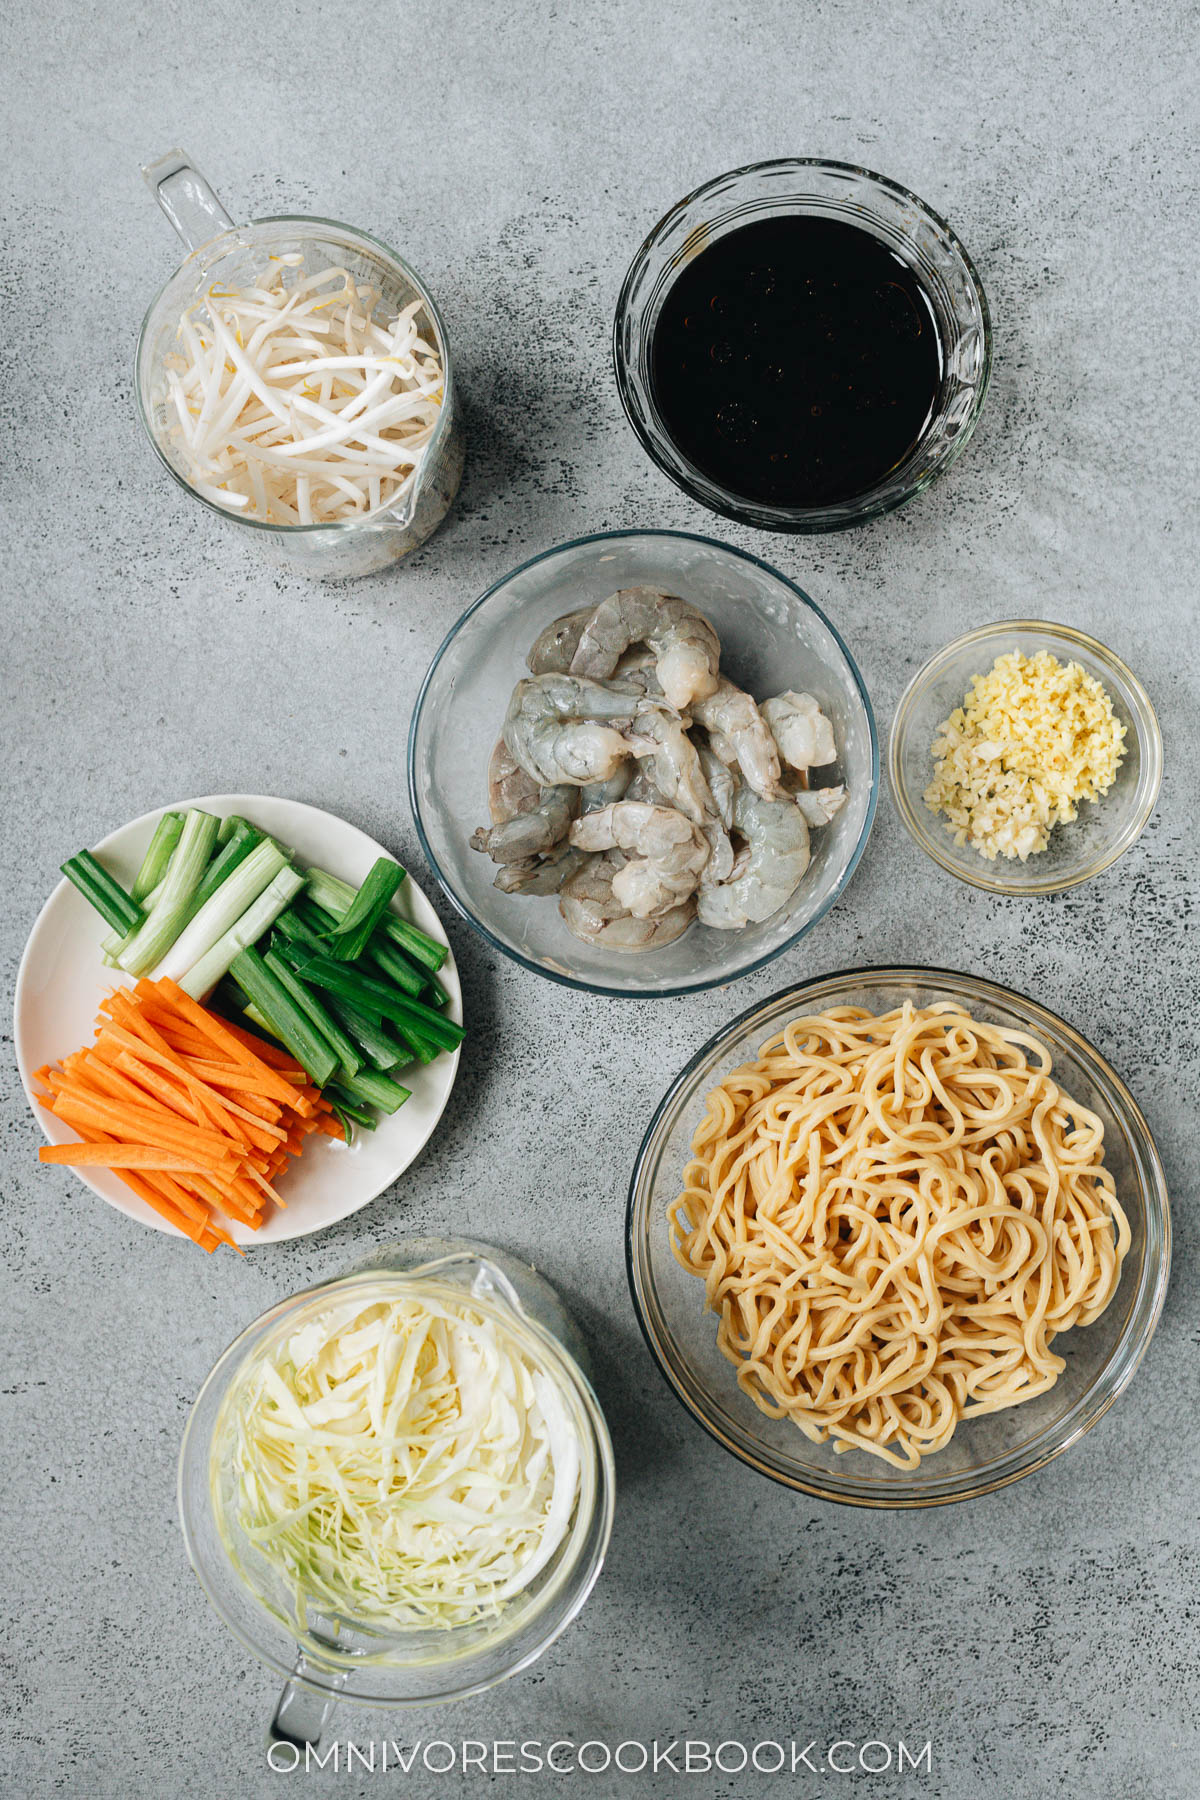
column 62, row 980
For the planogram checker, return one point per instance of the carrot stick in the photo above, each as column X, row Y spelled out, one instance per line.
column 221, row 1035
column 218, row 1110
column 196, row 1116
column 236, row 1206
column 143, row 1109
column 117, row 1156
column 235, row 1080
column 151, row 1084
column 275, row 1054
column 181, row 1222
column 143, row 1127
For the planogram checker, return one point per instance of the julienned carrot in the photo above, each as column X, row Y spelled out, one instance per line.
column 220, row 1033
column 232, row 1076
column 219, row 1112
column 153, row 1099
column 275, row 1054
column 118, row 1156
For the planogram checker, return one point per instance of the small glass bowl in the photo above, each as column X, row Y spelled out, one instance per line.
column 1104, row 829
column 985, row 1453
column 772, row 638
column 829, row 190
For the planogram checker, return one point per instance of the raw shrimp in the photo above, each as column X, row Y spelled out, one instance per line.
column 540, row 874
column 802, row 732
column 770, row 871
column 722, row 783
column 676, row 775
column 673, row 763
column 545, row 874
column 739, row 733
column 667, row 853
column 590, row 910
column 686, row 649
column 527, row 819
column 510, row 789
column 634, row 674
column 554, row 647
column 530, row 833
column 818, row 805
column 555, row 729
column 672, row 773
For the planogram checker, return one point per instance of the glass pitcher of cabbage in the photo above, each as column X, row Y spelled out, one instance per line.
column 397, row 1487
column 295, row 377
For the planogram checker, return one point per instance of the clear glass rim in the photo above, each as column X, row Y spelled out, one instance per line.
column 676, row 990
column 334, row 527
column 1150, row 749
column 191, row 1448
column 1128, row 1352
column 858, row 510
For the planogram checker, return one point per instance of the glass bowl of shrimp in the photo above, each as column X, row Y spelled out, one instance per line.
column 596, row 787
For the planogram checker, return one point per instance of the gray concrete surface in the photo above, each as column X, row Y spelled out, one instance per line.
column 1045, row 1640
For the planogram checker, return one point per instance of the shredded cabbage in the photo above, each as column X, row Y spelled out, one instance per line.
column 404, row 1463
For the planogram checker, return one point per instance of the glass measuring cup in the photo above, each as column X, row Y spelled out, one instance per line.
column 221, row 251
column 332, row 1659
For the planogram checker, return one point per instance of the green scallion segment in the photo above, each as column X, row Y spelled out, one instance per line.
column 347, row 1108
column 154, row 863
column 394, row 965
column 289, row 1024
column 99, row 889
column 349, row 937
column 371, row 1088
column 117, row 942
column 349, row 1059
column 376, row 998
column 229, row 827
column 336, row 897
column 292, row 925
column 148, row 880
column 314, row 916
column 373, row 1038
column 416, row 943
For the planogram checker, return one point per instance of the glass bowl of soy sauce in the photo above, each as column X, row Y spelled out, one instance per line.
column 802, row 345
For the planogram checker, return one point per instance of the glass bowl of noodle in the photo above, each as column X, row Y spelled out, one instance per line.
column 984, row 1451
column 773, row 638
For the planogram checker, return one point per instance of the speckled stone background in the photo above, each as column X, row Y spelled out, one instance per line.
column 1046, row 1639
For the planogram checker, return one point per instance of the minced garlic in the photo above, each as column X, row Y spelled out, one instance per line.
column 1032, row 738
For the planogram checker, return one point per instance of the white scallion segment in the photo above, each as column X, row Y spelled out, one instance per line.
column 404, row 1463
column 167, row 917
column 204, row 975
column 291, row 403
column 240, row 888
column 330, row 893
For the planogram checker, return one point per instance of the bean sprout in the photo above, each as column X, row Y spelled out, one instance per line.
column 294, row 404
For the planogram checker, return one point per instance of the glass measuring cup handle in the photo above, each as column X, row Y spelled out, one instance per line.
column 302, row 1712
column 186, row 198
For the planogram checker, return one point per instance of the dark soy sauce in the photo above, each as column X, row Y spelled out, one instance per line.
column 796, row 361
